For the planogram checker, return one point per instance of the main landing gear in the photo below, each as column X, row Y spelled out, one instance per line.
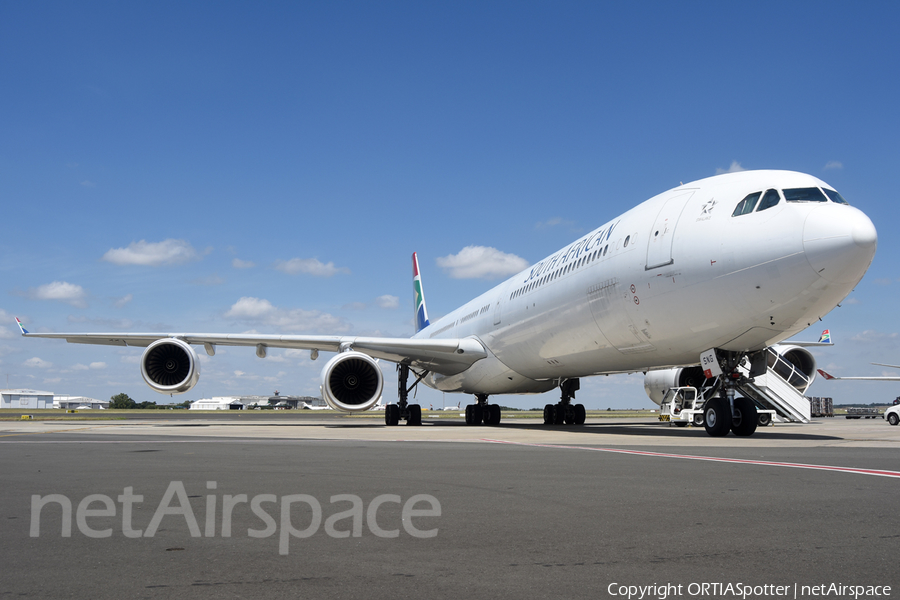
column 727, row 413
column 411, row 413
column 565, row 411
column 482, row 412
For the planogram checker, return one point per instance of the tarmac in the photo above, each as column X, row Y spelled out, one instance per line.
column 325, row 506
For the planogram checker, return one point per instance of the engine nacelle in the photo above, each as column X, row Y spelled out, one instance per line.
column 790, row 361
column 352, row 382
column 170, row 366
column 657, row 383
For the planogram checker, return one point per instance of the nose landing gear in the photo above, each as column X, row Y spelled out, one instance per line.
column 727, row 413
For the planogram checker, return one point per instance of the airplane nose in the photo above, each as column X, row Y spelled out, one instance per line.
column 839, row 242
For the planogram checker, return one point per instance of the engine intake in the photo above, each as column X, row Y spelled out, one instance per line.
column 170, row 366
column 352, row 382
column 794, row 364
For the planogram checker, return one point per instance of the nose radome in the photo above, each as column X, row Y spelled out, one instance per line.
column 839, row 242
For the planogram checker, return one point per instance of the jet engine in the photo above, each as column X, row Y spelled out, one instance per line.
column 794, row 364
column 657, row 383
column 170, row 366
column 351, row 382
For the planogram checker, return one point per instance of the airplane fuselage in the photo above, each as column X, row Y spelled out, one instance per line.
column 658, row 285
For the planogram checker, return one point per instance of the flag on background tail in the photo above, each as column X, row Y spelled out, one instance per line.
column 419, row 300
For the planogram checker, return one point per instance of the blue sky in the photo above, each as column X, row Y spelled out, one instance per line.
column 235, row 167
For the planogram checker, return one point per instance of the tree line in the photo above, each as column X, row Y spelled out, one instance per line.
column 124, row 401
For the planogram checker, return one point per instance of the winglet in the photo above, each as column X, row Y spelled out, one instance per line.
column 825, row 338
column 825, row 375
column 419, row 300
column 19, row 323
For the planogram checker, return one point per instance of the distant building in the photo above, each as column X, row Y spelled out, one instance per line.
column 25, row 399
column 82, row 402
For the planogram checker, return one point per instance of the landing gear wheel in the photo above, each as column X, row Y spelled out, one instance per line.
column 548, row 414
column 391, row 414
column 698, row 420
column 580, row 414
column 415, row 415
column 474, row 414
column 765, row 419
column 492, row 414
column 717, row 417
column 745, row 417
column 559, row 414
column 569, row 414
column 893, row 419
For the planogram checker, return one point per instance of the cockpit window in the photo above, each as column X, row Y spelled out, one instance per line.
column 770, row 199
column 811, row 194
column 835, row 197
column 746, row 205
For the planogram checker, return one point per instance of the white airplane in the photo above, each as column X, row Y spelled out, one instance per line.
column 723, row 267
column 305, row 406
column 833, row 378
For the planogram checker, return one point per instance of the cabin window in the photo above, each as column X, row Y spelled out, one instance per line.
column 746, row 205
column 835, row 197
column 811, row 194
column 770, row 199
column 627, row 239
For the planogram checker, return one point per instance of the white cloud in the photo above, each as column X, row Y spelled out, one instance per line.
column 870, row 336
column 93, row 366
column 120, row 302
column 37, row 363
column 61, row 291
column 242, row 264
column 555, row 221
column 5, row 317
column 481, row 262
column 309, row 266
column 387, row 301
column 734, row 168
column 152, row 254
column 834, row 165
column 260, row 311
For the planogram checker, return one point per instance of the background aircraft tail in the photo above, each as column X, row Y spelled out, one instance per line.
column 419, row 300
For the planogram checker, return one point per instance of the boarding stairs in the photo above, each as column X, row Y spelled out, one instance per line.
column 781, row 388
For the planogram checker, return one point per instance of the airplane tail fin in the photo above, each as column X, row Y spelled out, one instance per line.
column 825, row 375
column 825, row 338
column 19, row 323
column 419, row 300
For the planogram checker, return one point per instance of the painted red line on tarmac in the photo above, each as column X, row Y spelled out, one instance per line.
column 766, row 463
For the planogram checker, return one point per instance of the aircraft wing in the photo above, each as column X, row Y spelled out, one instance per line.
column 824, row 340
column 833, row 378
column 444, row 356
